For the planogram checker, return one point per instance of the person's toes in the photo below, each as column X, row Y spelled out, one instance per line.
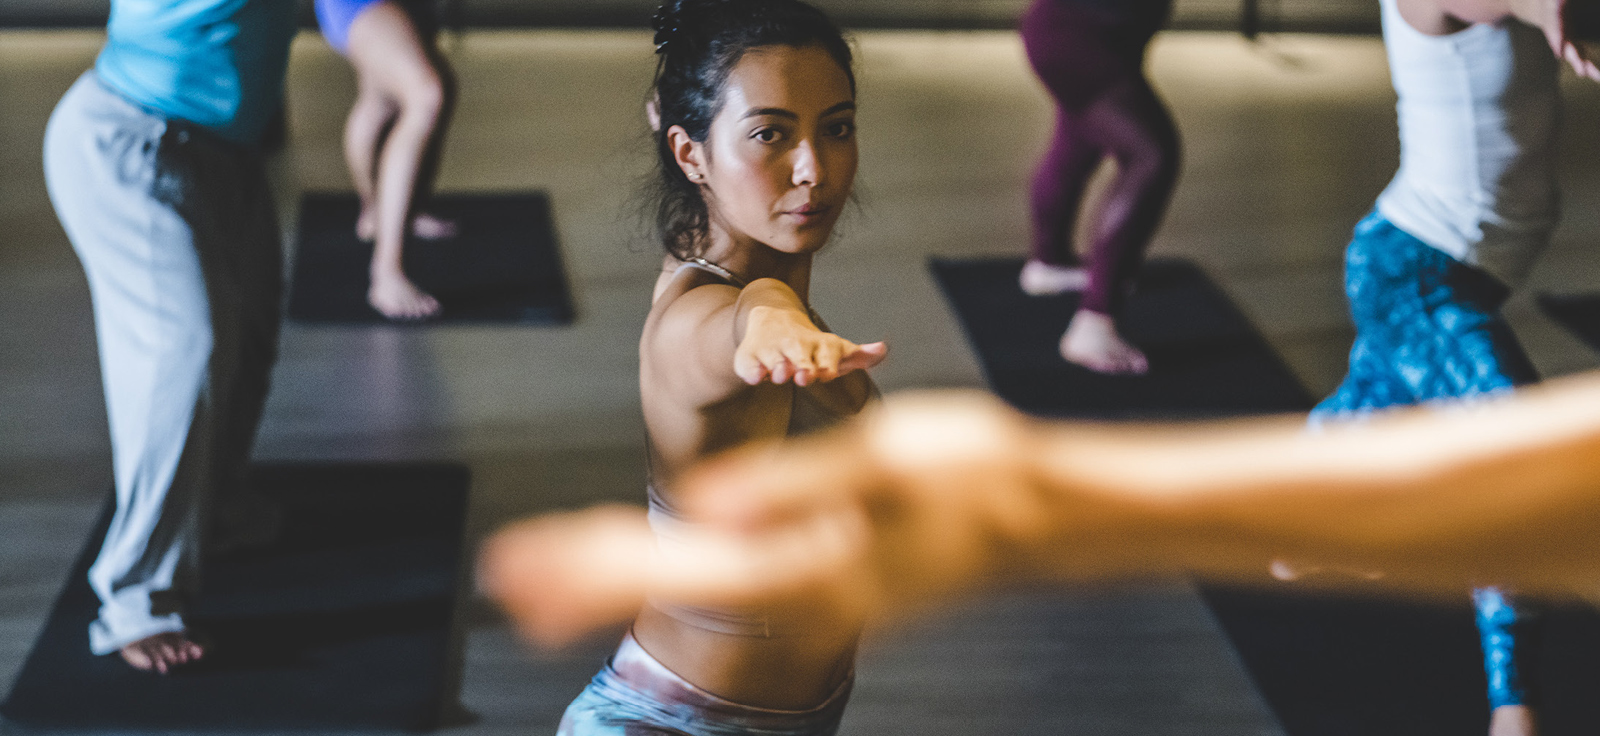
column 162, row 653
column 1137, row 363
column 427, row 306
column 136, row 658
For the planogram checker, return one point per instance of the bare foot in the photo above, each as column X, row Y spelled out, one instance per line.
column 1042, row 279
column 431, row 227
column 162, row 652
column 1092, row 342
column 395, row 297
column 1513, row 720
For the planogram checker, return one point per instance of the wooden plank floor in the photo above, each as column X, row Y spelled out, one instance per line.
column 1288, row 143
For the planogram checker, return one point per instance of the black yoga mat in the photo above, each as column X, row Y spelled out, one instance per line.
column 341, row 624
column 1206, row 358
column 1328, row 666
column 1334, row 666
column 1579, row 313
column 503, row 265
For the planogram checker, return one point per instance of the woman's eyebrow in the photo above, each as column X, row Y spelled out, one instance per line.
column 769, row 111
column 782, row 113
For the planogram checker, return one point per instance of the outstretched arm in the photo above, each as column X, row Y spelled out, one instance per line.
column 1553, row 17
column 935, row 496
column 716, row 340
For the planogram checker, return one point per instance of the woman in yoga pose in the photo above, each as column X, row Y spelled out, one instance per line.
column 1472, row 206
column 937, row 497
column 393, row 135
column 1090, row 56
column 757, row 155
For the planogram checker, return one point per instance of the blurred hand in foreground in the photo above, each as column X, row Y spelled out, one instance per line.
column 930, row 495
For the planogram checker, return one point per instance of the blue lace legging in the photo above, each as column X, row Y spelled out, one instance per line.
column 1428, row 328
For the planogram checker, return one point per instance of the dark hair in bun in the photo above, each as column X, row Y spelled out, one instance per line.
column 699, row 42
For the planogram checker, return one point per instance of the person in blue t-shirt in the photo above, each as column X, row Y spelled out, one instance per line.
column 154, row 164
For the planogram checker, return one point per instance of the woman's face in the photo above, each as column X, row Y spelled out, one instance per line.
column 780, row 160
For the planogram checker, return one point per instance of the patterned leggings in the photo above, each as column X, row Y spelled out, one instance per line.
column 1428, row 328
column 635, row 695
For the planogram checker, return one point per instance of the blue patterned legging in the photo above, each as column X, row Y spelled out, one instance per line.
column 635, row 695
column 1428, row 328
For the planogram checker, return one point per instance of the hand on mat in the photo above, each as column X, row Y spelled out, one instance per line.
column 929, row 497
column 782, row 344
column 162, row 652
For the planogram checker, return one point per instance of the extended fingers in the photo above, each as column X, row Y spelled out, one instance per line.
column 827, row 356
column 800, row 355
column 762, row 486
column 1581, row 60
column 749, row 367
column 792, row 359
column 563, row 576
column 864, row 357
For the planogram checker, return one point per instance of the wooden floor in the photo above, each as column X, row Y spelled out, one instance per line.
column 1288, row 143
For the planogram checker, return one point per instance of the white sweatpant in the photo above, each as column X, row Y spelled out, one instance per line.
column 177, row 236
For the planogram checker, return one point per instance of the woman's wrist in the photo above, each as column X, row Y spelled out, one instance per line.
column 765, row 303
column 1111, row 519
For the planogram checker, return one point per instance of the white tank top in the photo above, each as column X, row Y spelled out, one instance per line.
column 1478, row 116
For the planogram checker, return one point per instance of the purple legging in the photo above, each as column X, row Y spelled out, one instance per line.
column 1093, row 65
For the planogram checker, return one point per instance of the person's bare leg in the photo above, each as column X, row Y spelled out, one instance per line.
column 1093, row 342
column 427, row 225
column 390, row 58
column 162, row 653
column 369, row 117
column 1513, row 720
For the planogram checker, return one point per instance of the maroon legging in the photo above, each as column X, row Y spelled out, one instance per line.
column 1092, row 61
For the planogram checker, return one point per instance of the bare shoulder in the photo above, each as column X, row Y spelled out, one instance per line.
column 684, row 303
column 686, row 351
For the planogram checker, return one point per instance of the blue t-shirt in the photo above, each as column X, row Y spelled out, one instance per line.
column 216, row 63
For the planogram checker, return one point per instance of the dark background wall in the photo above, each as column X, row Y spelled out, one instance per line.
column 1283, row 15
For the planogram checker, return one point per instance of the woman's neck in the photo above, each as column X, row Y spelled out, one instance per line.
column 750, row 260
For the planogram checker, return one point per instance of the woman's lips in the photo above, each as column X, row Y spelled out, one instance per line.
column 809, row 213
